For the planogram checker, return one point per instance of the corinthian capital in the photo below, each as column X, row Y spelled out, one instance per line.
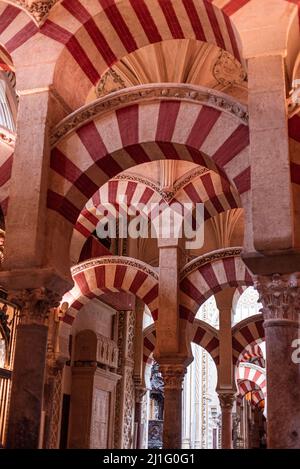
column 35, row 304
column 279, row 295
column 226, row 400
column 172, row 375
column 38, row 9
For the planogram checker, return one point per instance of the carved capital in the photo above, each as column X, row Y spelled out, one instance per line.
column 35, row 304
column 279, row 295
column 226, row 400
column 172, row 376
column 38, row 9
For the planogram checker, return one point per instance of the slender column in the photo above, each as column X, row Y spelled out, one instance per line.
column 226, row 402
column 173, row 382
column 280, row 295
column 29, row 367
column 139, row 395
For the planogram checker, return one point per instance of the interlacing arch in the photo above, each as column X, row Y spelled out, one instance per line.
column 102, row 275
column 199, row 184
column 207, row 275
column 202, row 334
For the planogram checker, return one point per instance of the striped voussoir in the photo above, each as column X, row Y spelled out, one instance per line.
column 205, row 187
column 253, row 354
column 86, row 158
column 202, row 334
column 102, row 275
column 7, row 142
column 257, row 396
column 209, row 274
column 250, row 331
column 254, row 374
column 95, row 35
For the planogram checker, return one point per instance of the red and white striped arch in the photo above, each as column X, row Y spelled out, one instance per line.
column 207, row 187
column 253, row 354
column 103, row 275
column 95, row 35
column 87, row 158
column 257, row 396
column 209, row 274
column 7, row 141
column 202, row 334
column 254, row 374
column 246, row 333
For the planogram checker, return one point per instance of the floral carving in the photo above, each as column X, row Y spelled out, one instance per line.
column 279, row 295
column 38, row 9
column 173, row 376
column 35, row 304
column 226, row 400
column 141, row 93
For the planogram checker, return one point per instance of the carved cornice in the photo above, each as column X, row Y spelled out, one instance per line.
column 172, row 376
column 206, row 259
column 115, row 260
column 279, row 295
column 37, row 9
column 35, row 304
column 7, row 137
column 142, row 93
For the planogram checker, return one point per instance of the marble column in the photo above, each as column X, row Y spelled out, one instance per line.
column 139, row 395
column 226, row 402
column 173, row 376
column 29, row 367
column 279, row 295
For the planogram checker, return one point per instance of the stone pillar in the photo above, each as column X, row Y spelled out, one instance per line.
column 29, row 367
column 173, row 376
column 226, row 403
column 279, row 295
column 125, row 401
column 139, row 396
column 53, row 402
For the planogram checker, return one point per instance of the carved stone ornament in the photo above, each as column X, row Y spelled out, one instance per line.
column 109, row 83
column 280, row 296
column 227, row 70
column 173, row 376
column 226, row 400
column 142, row 93
column 35, row 304
column 38, row 9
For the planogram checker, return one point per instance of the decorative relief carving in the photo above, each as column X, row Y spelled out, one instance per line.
column 219, row 254
column 38, row 9
column 120, row 260
column 226, row 400
column 35, row 304
column 173, row 376
column 141, row 93
column 227, row 70
column 107, row 351
column 109, row 83
column 279, row 295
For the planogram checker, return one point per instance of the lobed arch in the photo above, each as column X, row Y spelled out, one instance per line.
column 102, row 275
column 94, row 145
column 201, row 334
column 199, row 184
column 208, row 274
